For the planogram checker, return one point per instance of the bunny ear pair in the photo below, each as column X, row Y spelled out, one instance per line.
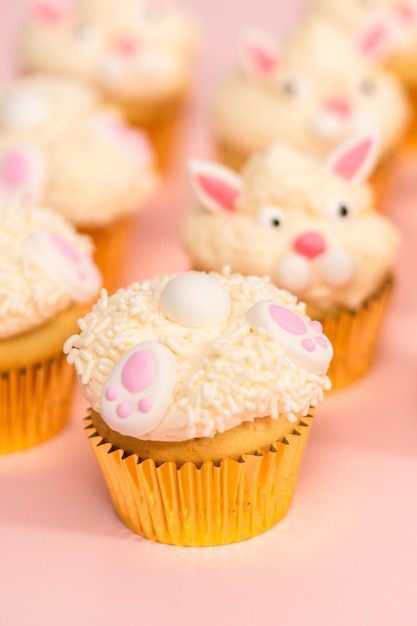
column 218, row 188
column 376, row 37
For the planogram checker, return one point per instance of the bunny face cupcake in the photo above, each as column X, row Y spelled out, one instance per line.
column 310, row 227
column 46, row 274
column 386, row 29
column 60, row 146
column 140, row 55
column 187, row 375
column 301, row 96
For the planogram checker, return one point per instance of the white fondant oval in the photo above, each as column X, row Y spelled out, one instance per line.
column 302, row 340
column 139, row 389
column 195, row 299
column 293, row 272
column 337, row 267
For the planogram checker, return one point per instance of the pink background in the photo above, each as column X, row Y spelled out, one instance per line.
column 346, row 552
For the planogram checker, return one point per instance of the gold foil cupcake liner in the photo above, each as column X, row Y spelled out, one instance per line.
column 160, row 122
column 354, row 335
column 34, row 403
column 111, row 242
column 206, row 505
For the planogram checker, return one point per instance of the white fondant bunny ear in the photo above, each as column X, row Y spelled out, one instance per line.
column 74, row 270
column 22, row 173
column 216, row 187
column 51, row 12
column 139, row 389
column 355, row 158
column 374, row 37
column 302, row 340
column 258, row 54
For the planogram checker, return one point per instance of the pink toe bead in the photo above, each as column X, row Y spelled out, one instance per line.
column 123, row 410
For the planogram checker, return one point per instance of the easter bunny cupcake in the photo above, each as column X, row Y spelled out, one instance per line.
column 46, row 278
column 385, row 29
column 313, row 92
column 312, row 228
column 138, row 53
column 201, row 388
column 59, row 145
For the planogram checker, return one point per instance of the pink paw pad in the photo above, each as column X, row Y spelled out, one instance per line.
column 303, row 340
column 139, row 389
column 133, row 142
column 74, row 270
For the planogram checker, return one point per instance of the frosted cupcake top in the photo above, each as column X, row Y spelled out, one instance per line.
column 61, row 146
column 382, row 27
column 310, row 226
column 314, row 92
column 129, row 48
column 45, row 267
column 195, row 354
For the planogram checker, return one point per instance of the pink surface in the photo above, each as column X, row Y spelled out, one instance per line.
column 346, row 552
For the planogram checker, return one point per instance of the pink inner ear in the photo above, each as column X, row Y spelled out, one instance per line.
column 263, row 62
column 350, row 162
column 15, row 169
column 222, row 193
column 373, row 37
column 49, row 12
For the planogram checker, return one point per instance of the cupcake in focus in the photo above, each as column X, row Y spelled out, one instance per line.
column 139, row 53
column 47, row 277
column 313, row 229
column 313, row 92
column 201, row 389
column 60, row 146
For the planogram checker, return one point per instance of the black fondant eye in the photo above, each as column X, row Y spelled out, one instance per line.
column 340, row 210
column 270, row 217
column 292, row 86
column 367, row 86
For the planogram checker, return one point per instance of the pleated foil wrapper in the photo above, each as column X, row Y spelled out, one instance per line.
column 111, row 243
column 205, row 505
column 354, row 336
column 34, row 403
column 161, row 122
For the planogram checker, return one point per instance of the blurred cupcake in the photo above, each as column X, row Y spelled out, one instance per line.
column 313, row 93
column 59, row 145
column 139, row 54
column 201, row 388
column 385, row 29
column 46, row 273
column 313, row 229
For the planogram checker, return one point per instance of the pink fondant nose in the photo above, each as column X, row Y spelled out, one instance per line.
column 338, row 106
column 126, row 47
column 310, row 245
column 406, row 11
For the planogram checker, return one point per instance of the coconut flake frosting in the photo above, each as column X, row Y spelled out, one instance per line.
column 196, row 354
